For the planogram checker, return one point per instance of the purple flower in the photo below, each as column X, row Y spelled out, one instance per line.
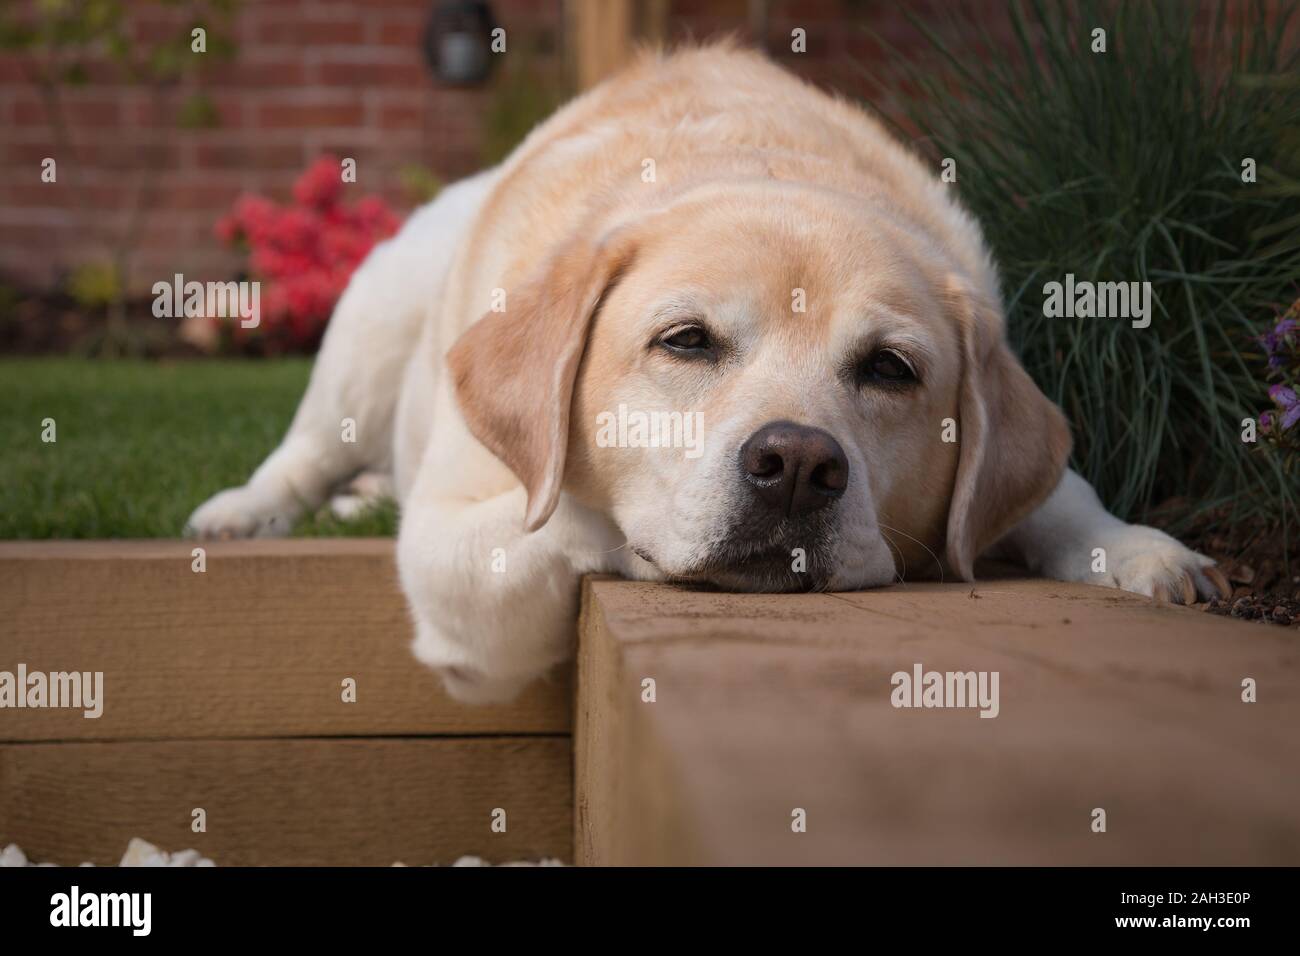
column 1275, row 341
column 1285, row 398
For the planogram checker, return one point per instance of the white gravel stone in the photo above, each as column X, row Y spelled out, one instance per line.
column 143, row 853
column 138, row 853
column 12, row 856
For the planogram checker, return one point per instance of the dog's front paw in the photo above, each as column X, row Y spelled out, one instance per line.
column 1148, row 561
column 244, row 512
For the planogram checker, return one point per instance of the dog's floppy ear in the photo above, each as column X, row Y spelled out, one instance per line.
column 514, row 370
column 1014, row 442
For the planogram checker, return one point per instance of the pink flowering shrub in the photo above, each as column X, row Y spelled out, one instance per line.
column 303, row 253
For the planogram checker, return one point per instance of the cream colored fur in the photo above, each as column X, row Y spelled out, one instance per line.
column 762, row 189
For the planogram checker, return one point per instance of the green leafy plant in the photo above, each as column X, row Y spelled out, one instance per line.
column 1131, row 165
column 420, row 183
column 94, row 285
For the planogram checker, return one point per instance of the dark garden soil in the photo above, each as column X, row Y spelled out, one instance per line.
column 55, row 324
column 1261, row 561
column 1261, row 609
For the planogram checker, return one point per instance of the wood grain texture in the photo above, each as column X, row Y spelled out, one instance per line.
column 770, row 703
column 600, row 37
column 291, row 802
column 258, row 645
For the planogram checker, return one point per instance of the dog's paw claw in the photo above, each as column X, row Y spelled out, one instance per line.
column 1147, row 561
column 1219, row 580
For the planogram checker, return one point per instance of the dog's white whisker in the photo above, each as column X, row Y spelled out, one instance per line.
column 902, row 560
column 610, row 551
column 937, row 562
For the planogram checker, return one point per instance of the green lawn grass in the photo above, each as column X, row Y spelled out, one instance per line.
column 139, row 445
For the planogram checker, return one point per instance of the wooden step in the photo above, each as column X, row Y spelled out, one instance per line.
column 258, row 645
column 292, row 802
column 227, row 690
column 223, row 691
column 766, row 705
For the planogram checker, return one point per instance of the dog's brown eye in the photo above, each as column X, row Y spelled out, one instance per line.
column 885, row 367
column 690, row 339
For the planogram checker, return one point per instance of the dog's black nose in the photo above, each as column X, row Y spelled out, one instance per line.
column 794, row 469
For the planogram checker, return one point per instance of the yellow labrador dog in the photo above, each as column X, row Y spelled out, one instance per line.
column 706, row 324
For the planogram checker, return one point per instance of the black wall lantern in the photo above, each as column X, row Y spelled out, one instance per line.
column 458, row 42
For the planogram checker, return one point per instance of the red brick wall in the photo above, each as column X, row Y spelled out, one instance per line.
column 341, row 76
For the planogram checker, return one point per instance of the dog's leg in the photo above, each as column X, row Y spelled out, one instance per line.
column 495, row 607
column 1072, row 537
column 361, row 494
column 344, row 423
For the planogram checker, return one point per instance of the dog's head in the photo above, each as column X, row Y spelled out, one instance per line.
column 767, row 387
